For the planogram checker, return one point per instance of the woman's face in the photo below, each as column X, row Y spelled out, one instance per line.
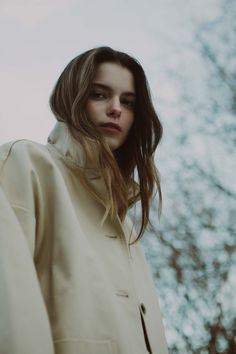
column 111, row 102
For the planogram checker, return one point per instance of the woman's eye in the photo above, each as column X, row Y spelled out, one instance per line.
column 128, row 103
column 97, row 95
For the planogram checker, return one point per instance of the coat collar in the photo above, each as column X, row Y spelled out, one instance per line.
column 61, row 140
column 65, row 144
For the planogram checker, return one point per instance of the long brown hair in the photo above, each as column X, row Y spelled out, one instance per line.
column 136, row 156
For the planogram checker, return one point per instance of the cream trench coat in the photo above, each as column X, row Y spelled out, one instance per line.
column 67, row 284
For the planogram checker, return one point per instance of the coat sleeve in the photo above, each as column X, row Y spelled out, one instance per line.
column 24, row 324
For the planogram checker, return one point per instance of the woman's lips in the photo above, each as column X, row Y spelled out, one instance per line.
column 111, row 127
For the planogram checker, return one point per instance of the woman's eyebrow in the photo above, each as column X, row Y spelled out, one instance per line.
column 108, row 88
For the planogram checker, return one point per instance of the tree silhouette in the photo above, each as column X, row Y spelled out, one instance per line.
column 192, row 251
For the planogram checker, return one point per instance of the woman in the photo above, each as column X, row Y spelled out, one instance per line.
column 74, row 277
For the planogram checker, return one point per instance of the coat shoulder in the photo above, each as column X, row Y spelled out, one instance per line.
column 21, row 151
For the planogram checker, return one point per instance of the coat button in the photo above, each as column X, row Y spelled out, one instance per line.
column 143, row 308
column 122, row 293
column 111, row 236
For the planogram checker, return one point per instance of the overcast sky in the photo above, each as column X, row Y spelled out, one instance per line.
column 38, row 39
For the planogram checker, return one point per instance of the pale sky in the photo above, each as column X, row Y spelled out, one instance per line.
column 39, row 38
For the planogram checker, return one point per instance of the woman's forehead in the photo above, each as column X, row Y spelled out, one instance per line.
column 115, row 76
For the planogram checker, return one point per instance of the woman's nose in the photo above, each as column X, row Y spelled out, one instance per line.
column 114, row 109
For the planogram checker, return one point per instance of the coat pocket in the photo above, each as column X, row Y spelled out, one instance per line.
column 85, row 346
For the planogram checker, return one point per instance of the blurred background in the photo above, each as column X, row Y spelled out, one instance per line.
column 187, row 48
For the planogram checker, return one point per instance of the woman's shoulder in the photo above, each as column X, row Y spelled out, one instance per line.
column 23, row 152
column 20, row 146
